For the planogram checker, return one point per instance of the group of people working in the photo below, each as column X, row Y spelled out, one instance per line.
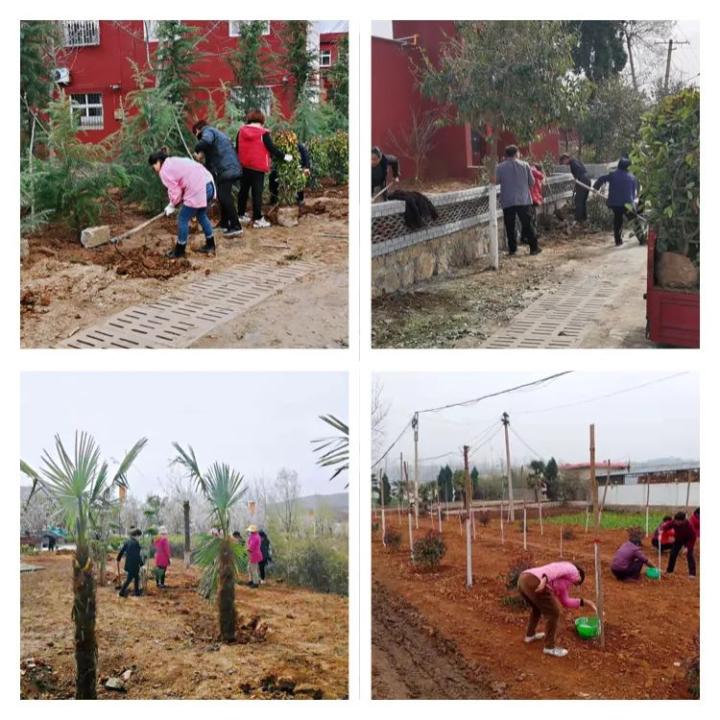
column 546, row 588
column 521, row 193
column 192, row 185
column 259, row 553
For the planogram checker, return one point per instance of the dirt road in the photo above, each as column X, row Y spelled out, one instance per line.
column 475, row 307
column 169, row 640
column 409, row 659
column 650, row 625
column 66, row 288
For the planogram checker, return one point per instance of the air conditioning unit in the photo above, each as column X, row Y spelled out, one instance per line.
column 61, row 76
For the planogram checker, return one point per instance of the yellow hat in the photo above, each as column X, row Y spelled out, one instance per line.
column 252, row 528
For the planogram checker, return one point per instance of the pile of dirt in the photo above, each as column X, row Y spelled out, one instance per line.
column 139, row 263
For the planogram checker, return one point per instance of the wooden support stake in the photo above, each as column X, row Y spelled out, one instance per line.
column 412, row 544
column 599, row 594
column 561, row 541
column 468, row 521
column 382, row 518
column 647, row 511
column 440, row 518
column 502, row 527
column 542, row 532
column 587, row 517
column 472, row 518
column 593, row 480
column 524, row 528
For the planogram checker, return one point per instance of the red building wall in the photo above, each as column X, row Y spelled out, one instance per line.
column 395, row 96
column 107, row 68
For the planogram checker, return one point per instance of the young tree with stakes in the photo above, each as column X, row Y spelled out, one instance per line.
column 78, row 484
column 248, row 64
column 220, row 556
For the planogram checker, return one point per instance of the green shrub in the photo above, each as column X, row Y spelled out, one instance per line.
column 599, row 215
column 338, row 149
column 483, row 518
column 291, row 178
column 666, row 161
column 392, row 537
column 568, row 534
column 314, row 562
column 429, row 550
column 29, row 550
column 517, row 566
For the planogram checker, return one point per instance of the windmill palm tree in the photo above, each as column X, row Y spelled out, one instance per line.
column 77, row 486
column 221, row 557
column 335, row 450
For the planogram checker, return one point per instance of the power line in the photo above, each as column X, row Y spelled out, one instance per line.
column 601, row 397
column 486, row 442
column 534, row 452
column 465, row 403
column 394, row 443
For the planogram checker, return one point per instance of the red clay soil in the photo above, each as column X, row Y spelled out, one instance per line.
column 650, row 625
column 293, row 643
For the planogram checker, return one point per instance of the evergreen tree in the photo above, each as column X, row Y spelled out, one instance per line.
column 339, row 79
column 299, row 60
column 475, row 477
column 37, row 40
column 248, row 64
column 174, row 59
column 551, row 479
column 599, row 51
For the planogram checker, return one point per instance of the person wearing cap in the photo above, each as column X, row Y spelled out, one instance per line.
column 622, row 196
column 162, row 556
column 255, row 556
column 132, row 553
column 380, row 165
column 628, row 561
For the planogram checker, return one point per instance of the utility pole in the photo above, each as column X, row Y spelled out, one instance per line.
column 672, row 45
column 468, row 538
column 506, row 424
column 415, row 426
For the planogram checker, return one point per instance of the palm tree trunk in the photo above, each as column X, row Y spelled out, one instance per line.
column 84, row 609
column 226, row 592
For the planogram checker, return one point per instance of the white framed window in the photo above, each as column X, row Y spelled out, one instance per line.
column 150, row 30
column 325, row 58
column 88, row 110
column 81, row 33
column 234, row 27
column 266, row 98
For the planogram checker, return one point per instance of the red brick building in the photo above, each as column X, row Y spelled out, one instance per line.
column 95, row 66
column 458, row 152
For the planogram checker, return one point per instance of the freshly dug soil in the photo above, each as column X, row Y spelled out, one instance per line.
column 650, row 624
column 292, row 643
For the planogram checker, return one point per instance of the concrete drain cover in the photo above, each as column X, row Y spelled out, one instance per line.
column 178, row 320
column 560, row 319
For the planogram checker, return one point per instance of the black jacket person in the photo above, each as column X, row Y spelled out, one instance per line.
column 581, row 193
column 380, row 165
column 222, row 161
column 132, row 552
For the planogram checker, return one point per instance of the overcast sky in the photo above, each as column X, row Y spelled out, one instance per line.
column 660, row 420
column 256, row 422
column 685, row 58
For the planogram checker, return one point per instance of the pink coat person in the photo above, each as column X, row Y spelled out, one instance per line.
column 561, row 576
column 253, row 547
column 186, row 181
column 162, row 551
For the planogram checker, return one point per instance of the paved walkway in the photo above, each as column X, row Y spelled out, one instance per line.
column 599, row 305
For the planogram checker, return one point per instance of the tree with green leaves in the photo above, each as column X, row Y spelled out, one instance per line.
column 611, row 119
column 599, row 49
column 248, row 62
column 536, row 477
column 299, row 60
column 500, row 76
column 552, row 483
column 38, row 39
column 78, row 485
column 444, row 481
column 475, row 478
column 175, row 57
column 74, row 181
column 220, row 556
column 338, row 77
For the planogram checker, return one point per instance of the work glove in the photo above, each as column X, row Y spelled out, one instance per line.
column 288, row 158
column 169, row 210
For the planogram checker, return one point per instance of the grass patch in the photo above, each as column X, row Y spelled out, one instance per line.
column 609, row 520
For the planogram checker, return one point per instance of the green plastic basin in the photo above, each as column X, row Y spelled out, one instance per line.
column 652, row 573
column 588, row 627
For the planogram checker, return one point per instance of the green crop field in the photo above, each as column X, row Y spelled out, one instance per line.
column 610, row 520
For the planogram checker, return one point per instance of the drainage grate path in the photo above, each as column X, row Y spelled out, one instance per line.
column 560, row 319
column 178, row 320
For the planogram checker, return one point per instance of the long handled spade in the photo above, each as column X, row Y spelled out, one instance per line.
column 137, row 229
column 597, row 192
column 387, row 187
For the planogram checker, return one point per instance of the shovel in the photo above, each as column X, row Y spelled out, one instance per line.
column 387, row 187
column 137, row 229
column 597, row 192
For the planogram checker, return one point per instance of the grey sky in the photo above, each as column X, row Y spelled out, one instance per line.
column 660, row 420
column 256, row 422
column 685, row 59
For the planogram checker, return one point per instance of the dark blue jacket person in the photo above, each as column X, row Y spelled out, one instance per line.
column 622, row 195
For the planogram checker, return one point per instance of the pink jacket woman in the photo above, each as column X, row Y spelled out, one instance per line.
column 162, row 551
column 186, row 182
column 253, row 547
column 561, row 576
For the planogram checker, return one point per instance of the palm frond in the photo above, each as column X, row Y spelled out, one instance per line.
column 334, row 450
column 188, row 461
column 120, row 477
